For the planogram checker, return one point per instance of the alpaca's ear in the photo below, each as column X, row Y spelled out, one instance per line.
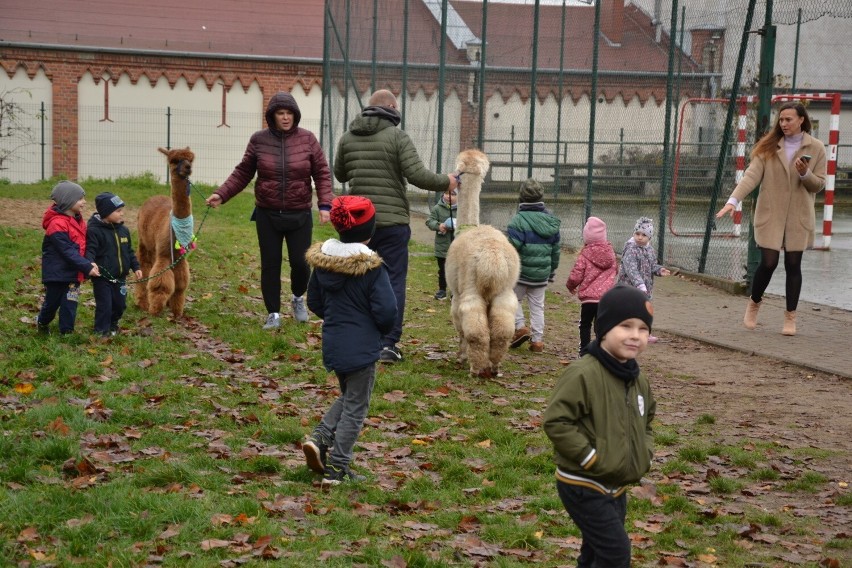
column 163, row 151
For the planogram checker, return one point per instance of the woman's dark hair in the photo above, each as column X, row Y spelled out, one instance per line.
column 768, row 144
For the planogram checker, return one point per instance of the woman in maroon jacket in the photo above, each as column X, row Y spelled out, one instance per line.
column 285, row 158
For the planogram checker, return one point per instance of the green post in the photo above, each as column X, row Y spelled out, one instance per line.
column 442, row 65
column 796, row 53
column 403, row 95
column 533, row 95
column 764, row 113
column 481, row 131
column 557, row 153
column 593, row 101
column 666, row 177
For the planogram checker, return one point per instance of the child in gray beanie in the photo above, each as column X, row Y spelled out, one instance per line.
column 63, row 256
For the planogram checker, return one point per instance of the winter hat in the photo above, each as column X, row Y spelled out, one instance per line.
column 645, row 226
column 106, row 203
column 531, row 191
column 594, row 231
column 621, row 303
column 65, row 194
column 354, row 218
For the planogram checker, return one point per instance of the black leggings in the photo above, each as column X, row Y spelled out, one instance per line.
column 768, row 264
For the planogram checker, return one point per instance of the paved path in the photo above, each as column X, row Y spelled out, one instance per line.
column 689, row 308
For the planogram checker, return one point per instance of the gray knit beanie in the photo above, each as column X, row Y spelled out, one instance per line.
column 531, row 191
column 65, row 194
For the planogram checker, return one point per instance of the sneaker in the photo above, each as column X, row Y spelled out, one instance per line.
column 273, row 321
column 521, row 336
column 43, row 328
column 300, row 312
column 336, row 475
column 536, row 346
column 315, row 453
column 441, row 295
column 390, row 355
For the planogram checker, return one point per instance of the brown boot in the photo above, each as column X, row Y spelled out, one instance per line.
column 536, row 346
column 522, row 335
column 789, row 323
column 750, row 318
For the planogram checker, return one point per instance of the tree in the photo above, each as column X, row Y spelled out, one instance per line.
column 16, row 132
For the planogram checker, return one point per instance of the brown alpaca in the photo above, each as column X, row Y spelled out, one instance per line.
column 482, row 269
column 159, row 246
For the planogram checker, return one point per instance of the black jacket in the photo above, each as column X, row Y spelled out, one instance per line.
column 110, row 247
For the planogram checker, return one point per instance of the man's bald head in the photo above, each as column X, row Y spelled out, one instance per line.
column 382, row 97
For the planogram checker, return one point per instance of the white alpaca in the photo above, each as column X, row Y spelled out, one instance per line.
column 482, row 269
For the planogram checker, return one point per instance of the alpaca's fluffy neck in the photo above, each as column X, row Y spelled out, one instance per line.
column 468, row 207
column 181, row 205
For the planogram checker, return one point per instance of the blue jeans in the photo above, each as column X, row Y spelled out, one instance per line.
column 342, row 423
column 600, row 519
column 61, row 297
column 391, row 243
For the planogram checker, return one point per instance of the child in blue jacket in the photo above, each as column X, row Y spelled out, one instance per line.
column 350, row 290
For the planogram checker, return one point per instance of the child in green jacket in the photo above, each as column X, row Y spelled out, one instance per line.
column 602, row 444
column 442, row 220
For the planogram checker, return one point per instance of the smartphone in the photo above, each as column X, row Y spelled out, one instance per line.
column 806, row 158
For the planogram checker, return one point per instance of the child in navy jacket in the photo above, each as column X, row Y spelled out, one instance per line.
column 63, row 262
column 350, row 289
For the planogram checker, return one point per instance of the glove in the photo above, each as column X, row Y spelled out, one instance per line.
column 552, row 277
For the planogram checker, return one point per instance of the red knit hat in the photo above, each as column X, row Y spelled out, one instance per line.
column 353, row 217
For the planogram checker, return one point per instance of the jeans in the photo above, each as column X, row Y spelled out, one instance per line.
column 110, row 304
column 273, row 228
column 342, row 423
column 391, row 244
column 600, row 519
column 61, row 297
column 535, row 299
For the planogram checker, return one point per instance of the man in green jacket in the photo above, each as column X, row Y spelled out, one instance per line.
column 377, row 160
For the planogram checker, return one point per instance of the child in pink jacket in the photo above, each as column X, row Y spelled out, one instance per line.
column 592, row 275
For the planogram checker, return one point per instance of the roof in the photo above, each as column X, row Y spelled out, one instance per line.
column 280, row 28
column 294, row 29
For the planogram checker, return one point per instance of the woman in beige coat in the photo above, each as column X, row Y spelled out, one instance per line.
column 789, row 165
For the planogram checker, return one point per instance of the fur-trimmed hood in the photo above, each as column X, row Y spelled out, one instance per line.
column 336, row 261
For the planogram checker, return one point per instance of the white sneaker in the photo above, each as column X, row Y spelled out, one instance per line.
column 300, row 312
column 273, row 321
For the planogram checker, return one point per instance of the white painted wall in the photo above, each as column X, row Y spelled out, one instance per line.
column 25, row 162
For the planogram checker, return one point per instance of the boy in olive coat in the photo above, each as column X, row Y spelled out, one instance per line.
column 599, row 420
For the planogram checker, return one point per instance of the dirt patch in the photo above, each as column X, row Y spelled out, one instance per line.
column 27, row 213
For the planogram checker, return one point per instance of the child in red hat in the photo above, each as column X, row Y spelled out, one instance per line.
column 350, row 290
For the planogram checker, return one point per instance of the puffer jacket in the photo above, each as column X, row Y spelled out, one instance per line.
column 440, row 213
column 109, row 245
column 534, row 232
column 350, row 290
column 599, row 441
column 63, row 249
column 285, row 164
column 594, row 272
column 376, row 159
column 639, row 266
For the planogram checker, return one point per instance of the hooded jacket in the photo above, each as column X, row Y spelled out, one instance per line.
column 285, row 164
column 109, row 245
column 534, row 232
column 594, row 272
column 440, row 213
column 376, row 159
column 600, row 427
column 784, row 213
column 350, row 290
column 638, row 266
column 63, row 248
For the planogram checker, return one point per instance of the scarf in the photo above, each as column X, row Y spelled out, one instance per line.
column 387, row 113
column 184, row 231
column 627, row 372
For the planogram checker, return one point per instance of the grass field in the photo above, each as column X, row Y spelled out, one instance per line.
column 178, row 444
